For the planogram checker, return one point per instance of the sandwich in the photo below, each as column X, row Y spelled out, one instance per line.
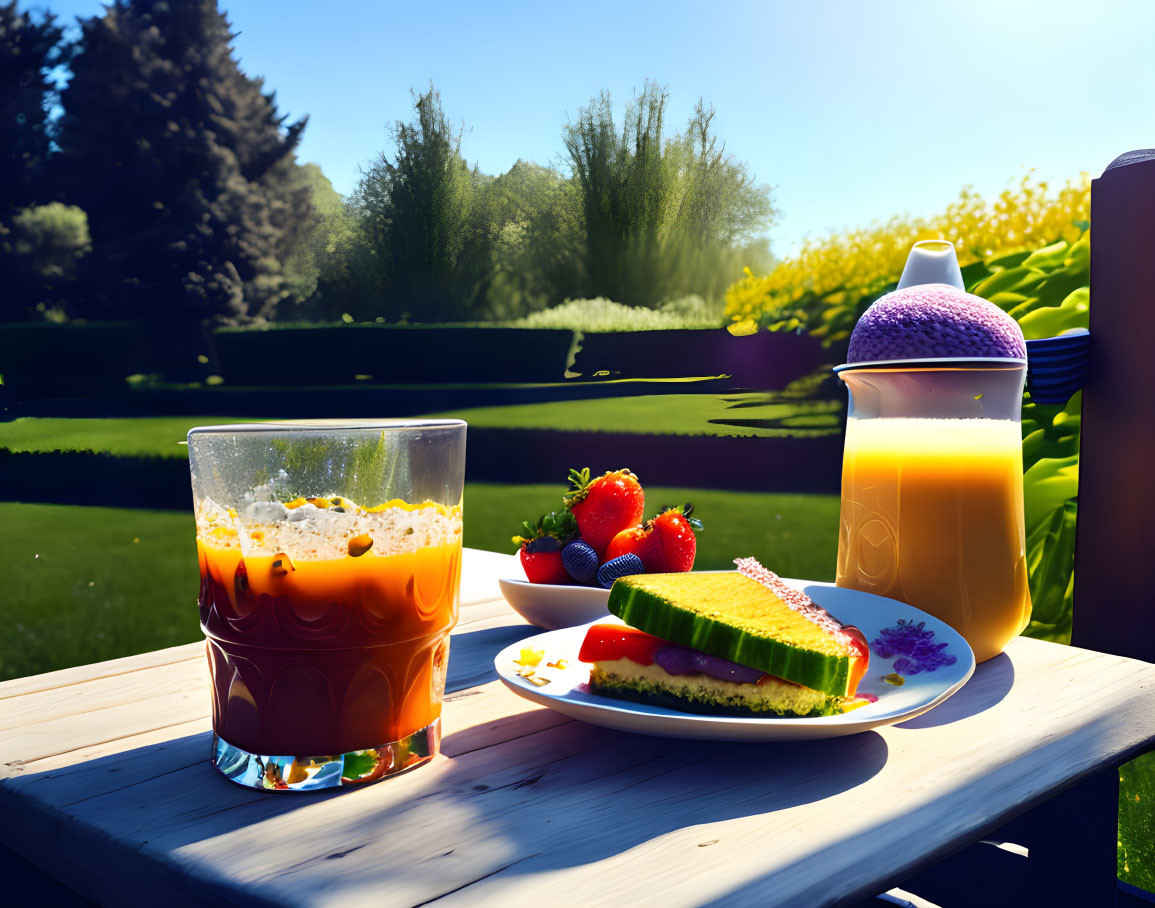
column 741, row 643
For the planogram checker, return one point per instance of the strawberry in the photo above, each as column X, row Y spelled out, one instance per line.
column 541, row 544
column 626, row 542
column 542, row 562
column 666, row 544
column 605, row 506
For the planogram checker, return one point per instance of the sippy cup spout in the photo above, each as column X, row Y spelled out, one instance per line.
column 932, row 262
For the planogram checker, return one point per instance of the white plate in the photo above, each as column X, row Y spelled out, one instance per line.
column 568, row 693
column 552, row 606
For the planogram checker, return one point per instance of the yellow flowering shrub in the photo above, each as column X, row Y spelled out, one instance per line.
column 823, row 287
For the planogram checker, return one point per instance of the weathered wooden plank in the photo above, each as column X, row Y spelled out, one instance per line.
column 27, row 712
column 525, row 804
column 480, row 571
column 66, row 677
column 947, row 777
column 152, row 700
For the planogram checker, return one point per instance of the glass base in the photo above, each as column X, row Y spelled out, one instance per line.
column 330, row 771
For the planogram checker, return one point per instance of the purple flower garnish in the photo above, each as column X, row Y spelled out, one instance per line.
column 914, row 644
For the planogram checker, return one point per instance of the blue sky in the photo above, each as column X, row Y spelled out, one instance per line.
column 853, row 111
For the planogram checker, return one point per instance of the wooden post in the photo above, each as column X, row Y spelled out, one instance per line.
column 1114, row 594
column 1072, row 840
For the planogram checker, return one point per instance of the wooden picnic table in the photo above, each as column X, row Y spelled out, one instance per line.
column 106, row 785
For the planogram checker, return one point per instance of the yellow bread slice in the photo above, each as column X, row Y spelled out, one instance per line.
column 700, row 693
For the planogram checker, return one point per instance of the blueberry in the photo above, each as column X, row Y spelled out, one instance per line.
column 543, row 544
column 580, row 560
column 622, row 566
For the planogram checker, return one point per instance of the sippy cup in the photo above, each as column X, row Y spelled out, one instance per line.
column 932, row 475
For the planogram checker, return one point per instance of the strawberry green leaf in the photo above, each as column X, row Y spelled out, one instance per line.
column 580, row 480
column 561, row 525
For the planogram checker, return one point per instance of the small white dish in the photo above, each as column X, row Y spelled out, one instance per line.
column 567, row 690
column 553, row 606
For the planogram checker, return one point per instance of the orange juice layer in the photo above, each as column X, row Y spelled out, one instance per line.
column 319, row 656
column 932, row 515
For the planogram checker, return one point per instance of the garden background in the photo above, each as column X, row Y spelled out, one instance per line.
column 618, row 307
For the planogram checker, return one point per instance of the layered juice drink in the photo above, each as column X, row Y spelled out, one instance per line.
column 932, row 515
column 327, row 618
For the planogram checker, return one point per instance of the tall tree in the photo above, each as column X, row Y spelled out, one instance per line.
column 28, row 47
column 536, row 224
column 184, row 167
column 40, row 240
column 661, row 216
column 337, row 253
column 422, row 210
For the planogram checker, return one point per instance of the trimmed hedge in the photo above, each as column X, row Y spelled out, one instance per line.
column 41, row 359
column 763, row 360
column 421, row 354
column 738, row 463
column 93, row 359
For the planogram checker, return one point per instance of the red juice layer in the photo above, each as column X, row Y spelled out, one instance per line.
column 331, row 656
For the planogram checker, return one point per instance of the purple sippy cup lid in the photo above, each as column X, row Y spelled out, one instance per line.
column 934, row 322
column 930, row 319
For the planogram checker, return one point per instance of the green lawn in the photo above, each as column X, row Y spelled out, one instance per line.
column 1137, row 822
column 86, row 584
column 682, row 414
column 147, row 436
column 762, row 415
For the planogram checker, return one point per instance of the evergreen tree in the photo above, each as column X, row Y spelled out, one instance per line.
column 40, row 240
column 27, row 49
column 183, row 165
column 422, row 211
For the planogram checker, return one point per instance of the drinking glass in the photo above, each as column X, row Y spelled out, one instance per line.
column 330, row 561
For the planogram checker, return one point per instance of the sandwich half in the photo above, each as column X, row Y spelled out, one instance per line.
column 742, row 643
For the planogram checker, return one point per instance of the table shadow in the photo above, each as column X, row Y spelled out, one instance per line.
column 990, row 683
column 471, row 654
column 586, row 779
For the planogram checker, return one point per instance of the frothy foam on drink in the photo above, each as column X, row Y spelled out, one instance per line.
column 307, row 529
